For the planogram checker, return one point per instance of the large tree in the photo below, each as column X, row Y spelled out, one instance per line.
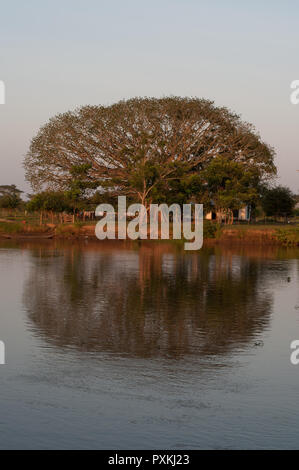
column 136, row 147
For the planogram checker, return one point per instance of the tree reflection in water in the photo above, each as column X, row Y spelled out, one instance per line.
column 147, row 300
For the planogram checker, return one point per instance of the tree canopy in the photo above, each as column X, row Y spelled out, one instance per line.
column 48, row 201
column 79, row 186
column 278, row 201
column 10, row 197
column 141, row 146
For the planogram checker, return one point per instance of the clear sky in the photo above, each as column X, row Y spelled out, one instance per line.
column 59, row 54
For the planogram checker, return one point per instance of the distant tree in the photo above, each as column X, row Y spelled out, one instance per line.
column 72, row 200
column 278, row 202
column 10, row 197
column 140, row 147
column 49, row 202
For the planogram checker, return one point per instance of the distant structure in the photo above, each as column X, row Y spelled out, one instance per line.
column 243, row 214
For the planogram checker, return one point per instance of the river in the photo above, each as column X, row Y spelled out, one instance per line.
column 123, row 345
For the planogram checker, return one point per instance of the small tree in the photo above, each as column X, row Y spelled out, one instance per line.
column 51, row 202
column 278, row 202
column 10, row 197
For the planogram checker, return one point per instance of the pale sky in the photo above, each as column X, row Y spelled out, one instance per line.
column 60, row 54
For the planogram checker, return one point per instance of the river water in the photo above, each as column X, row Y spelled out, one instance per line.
column 115, row 345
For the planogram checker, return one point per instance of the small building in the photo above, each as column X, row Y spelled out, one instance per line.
column 243, row 214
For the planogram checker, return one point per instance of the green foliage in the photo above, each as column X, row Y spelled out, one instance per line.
column 278, row 202
column 48, row 201
column 10, row 197
column 79, row 185
column 228, row 185
column 211, row 230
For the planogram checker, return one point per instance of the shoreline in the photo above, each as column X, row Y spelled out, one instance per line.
column 243, row 235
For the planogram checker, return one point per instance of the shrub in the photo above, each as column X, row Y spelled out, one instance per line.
column 211, row 229
column 288, row 236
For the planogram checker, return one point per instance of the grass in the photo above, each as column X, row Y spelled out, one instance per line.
column 16, row 227
column 65, row 229
column 245, row 227
column 288, row 235
column 11, row 227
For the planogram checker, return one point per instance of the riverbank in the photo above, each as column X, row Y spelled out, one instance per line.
column 287, row 235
